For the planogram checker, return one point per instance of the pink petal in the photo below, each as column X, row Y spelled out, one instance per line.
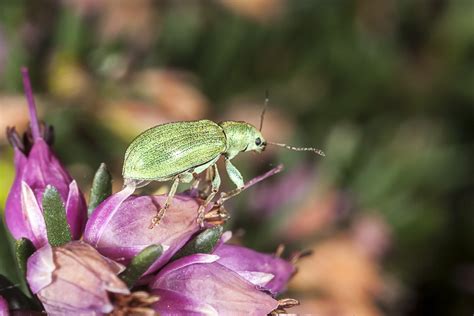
column 98, row 221
column 75, row 210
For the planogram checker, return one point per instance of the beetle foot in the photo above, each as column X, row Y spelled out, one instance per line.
column 200, row 217
column 154, row 221
column 157, row 218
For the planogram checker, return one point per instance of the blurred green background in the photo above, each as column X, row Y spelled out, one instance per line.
column 385, row 88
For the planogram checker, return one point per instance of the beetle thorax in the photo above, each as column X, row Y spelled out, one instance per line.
column 240, row 136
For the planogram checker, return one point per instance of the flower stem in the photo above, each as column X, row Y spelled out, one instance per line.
column 35, row 128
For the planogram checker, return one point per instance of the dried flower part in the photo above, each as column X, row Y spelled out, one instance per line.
column 137, row 303
column 268, row 271
column 199, row 284
column 118, row 228
column 74, row 279
column 218, row 215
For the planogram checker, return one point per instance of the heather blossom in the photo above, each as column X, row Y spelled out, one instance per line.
column 74, row 278
column 199, row 284
column 115, row 264
column 36, row 167
column 120, row 233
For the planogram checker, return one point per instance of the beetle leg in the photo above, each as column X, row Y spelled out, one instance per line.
column 227, row 195
column 208, row 180
column 186, row 177
column 234, row 174
column 196, row 181
column 236, row 177
column 215, row 184
column 157, row 218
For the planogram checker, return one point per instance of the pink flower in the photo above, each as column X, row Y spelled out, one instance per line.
column 74, row 279
column 36, row 167
column 198, row 284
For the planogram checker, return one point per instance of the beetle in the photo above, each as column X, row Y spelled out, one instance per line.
column 179, row 151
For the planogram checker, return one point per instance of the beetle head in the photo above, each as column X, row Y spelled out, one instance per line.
column 255, row 140
column 242, row 136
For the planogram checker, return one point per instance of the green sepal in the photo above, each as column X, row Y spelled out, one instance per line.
column 204, row 242
column 101, row 187
column 140, row 263
column 7, row 256
column 24, row 248
column 54, row 213
column 16, row 299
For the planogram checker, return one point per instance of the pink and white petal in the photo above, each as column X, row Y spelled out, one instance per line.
column 257, row 278
column 40, row 267
column 33, row 217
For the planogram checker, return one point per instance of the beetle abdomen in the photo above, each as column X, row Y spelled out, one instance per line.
column 164, row 151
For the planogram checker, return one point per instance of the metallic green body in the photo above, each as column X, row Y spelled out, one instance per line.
column 166, row 150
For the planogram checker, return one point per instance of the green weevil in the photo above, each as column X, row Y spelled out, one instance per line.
column 179, row 151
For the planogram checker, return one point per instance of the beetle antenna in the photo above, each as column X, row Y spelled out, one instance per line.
column 315, row 150
column 267, row 99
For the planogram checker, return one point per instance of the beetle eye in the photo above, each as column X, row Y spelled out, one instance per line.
column 258, row 141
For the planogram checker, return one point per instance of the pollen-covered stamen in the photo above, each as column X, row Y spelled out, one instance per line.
column 136, row 303
column 35, row 127
column 47, row 133
column 287, row 303
column 218, row 215
column 279, row 251
column 283, row 304
column 301, row 254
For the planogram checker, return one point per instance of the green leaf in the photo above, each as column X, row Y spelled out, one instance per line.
column 205, row 242
column 55, row 218
column 140, row 263
column 15, row 297
column 24, row 249
column 7, row 259
column 101, row 187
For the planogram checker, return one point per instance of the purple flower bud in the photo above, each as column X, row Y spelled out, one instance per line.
column 3, row 307
column 119, row 227
column 74, row 279
column 36, row 168
column 197, row 284
column 267, row 271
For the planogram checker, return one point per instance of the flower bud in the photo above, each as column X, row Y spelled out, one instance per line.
column 74, row 279
column 3, row 307
column 36, row 167
column 198, row 284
